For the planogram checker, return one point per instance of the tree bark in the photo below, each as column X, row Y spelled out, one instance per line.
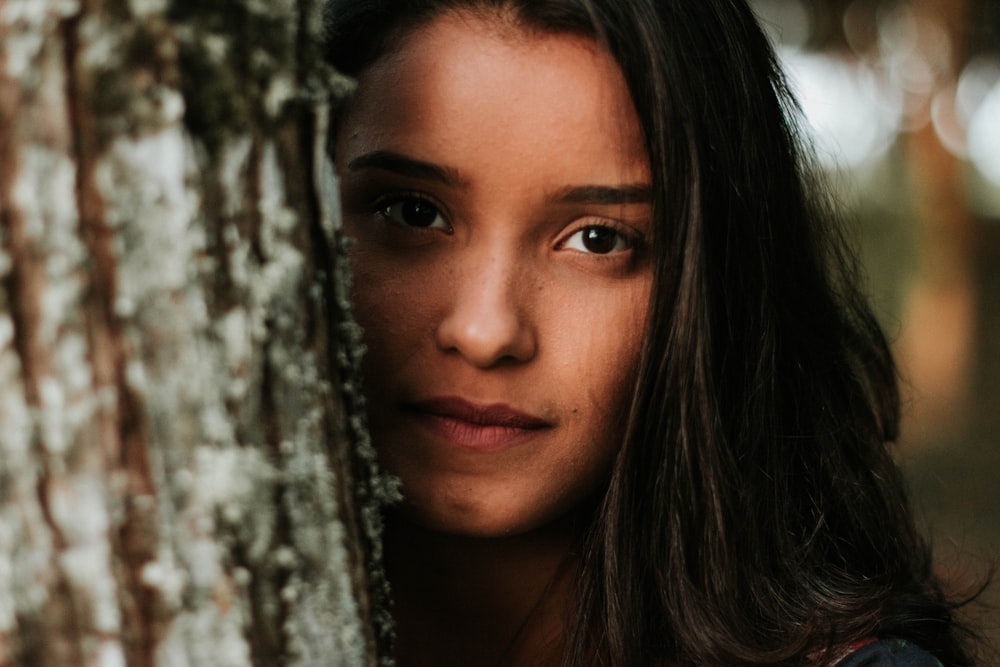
column 185, row 475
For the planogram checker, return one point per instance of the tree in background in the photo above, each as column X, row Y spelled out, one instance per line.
column 185, row 476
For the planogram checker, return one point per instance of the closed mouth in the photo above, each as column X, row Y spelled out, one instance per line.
column 497, row 415
column 476, row 427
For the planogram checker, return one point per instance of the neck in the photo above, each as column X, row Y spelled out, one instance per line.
column 480, row 601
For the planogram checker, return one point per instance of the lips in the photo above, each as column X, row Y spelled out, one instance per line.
column 474, row 426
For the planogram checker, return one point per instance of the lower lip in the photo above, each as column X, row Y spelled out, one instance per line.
column 474, row 436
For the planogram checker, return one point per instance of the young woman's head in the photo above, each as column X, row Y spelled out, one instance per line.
column 498, row 188
column 588, row 269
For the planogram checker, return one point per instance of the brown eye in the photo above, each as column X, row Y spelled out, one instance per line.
column 598, row 240
column 414, row 212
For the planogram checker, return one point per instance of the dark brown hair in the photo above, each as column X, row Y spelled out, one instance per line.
column 755, row 515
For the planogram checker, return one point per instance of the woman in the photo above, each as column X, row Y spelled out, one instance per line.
column 616, row 355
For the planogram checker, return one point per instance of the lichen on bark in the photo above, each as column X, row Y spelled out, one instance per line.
column 185, row 473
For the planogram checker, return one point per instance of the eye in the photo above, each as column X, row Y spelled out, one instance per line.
column 413, row 211
column 598, row 240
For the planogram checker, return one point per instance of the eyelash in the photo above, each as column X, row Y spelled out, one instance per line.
column 381, row 204
column 633, row 241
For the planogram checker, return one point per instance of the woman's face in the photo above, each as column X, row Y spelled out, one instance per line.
column 498, row 187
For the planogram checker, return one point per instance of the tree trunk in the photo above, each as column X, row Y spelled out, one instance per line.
column 185, row 476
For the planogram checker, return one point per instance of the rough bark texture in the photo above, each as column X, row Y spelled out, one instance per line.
column 185, row 477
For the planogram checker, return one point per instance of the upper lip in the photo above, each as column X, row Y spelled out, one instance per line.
column 495, row 414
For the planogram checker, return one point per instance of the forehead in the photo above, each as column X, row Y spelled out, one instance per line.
column 488, row 85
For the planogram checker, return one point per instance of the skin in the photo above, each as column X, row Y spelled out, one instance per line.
column 501, row 259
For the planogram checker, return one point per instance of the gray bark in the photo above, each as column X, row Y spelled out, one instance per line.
column 185, row 476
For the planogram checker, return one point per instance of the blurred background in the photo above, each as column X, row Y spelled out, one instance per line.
column 902, row 100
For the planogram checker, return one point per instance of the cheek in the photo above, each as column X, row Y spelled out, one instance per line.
column 391, row 311
column 607, row 394
column 599, row 346
column 605, row 338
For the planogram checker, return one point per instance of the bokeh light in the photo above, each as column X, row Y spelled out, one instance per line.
column 984, row 136
column 852, row 112
column 893, row 72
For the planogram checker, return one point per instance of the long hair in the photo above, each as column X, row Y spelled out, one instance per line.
column 754, row 514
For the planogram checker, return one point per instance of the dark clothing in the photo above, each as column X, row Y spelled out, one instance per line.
column 890, row 653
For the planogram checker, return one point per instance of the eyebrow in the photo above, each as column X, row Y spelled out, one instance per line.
column 406, row 166
column 606, row 195
column 428, row 171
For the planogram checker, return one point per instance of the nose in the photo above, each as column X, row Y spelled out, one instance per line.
column 487, row 321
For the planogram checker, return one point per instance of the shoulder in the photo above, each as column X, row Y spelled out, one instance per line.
column 890, row 653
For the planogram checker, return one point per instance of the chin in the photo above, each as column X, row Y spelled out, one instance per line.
column 462, row 521
column 465, row 518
